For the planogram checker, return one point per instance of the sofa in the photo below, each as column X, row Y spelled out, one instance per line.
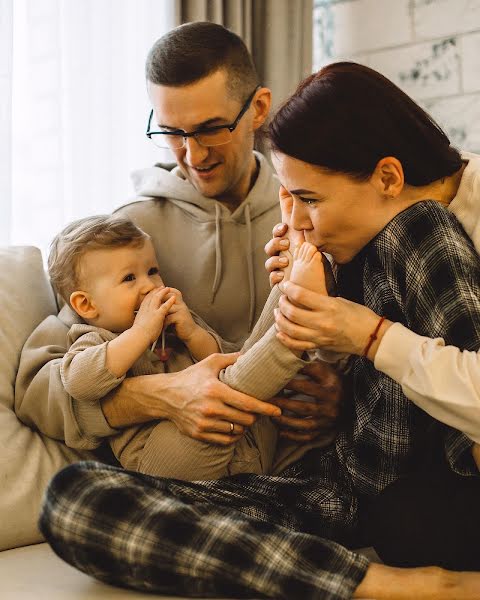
column 28, row 567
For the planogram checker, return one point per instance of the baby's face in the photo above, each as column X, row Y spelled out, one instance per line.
column 118, row 279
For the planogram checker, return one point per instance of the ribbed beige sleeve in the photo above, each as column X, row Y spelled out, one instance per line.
column 265, row 365
column 41, row 400
column 84, row 373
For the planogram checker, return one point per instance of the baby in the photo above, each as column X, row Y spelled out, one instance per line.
column 105, row 268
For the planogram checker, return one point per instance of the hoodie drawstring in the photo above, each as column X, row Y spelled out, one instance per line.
column 218, row 252
column 251, row 277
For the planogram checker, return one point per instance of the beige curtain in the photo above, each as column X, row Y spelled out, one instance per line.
column 277, row 32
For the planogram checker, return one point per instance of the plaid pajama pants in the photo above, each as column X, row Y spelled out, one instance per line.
column 240, row 537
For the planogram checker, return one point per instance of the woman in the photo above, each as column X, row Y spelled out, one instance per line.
column 416, row 362
column 360, row 162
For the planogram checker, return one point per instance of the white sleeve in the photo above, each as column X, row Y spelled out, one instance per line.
column 442, row 380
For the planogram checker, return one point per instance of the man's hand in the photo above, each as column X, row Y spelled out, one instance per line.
column 200, row 405
column 318, row 417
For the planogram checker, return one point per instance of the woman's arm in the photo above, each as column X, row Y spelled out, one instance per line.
column 443, row 380
column 419, row 364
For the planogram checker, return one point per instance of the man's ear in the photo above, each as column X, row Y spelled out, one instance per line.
column 261, row 106
column 388, row 177
column 83, row 305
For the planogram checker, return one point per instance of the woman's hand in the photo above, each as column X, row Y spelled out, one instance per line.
column 276, row 263
column 306, row 320
column 284, row 238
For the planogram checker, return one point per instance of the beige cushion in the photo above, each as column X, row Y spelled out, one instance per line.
column 27, row 459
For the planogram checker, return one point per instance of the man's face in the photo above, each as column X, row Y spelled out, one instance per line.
column 220, row 172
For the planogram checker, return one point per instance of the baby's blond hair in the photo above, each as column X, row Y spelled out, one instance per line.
column 82, row 236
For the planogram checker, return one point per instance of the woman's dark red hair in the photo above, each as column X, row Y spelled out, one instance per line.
column 346, row 117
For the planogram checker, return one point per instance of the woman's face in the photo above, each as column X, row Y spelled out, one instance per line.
column 336, row 213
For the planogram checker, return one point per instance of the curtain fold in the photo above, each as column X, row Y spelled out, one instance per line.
column 6, row 54
column 277, row 32
column 79, row 109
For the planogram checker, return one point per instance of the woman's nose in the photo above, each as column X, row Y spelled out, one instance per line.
column 300, row 219
column 195, row 152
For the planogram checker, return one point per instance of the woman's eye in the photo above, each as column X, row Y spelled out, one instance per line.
column 129, row 277
column 309, row 201
column 153, row 271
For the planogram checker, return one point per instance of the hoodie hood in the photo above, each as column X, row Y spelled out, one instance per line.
column 251, row 221
column 170, row 184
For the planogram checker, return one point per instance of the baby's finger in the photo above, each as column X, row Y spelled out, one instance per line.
column 165, row 306
column 176, row 292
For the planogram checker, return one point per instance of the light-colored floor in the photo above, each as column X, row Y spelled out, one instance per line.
column 36, row 573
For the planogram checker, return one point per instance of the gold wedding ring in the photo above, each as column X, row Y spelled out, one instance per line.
column 232, row 428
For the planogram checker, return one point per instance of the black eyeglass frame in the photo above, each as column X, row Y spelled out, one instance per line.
column 180, row 133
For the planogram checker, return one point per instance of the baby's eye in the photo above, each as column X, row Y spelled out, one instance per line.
column 153, row 271
column 129, row 277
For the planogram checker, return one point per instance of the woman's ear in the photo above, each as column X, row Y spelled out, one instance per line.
column 261, row 106
column 83, row 305
column 388, row 177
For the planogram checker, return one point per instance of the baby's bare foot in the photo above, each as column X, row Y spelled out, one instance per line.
column 307, row 270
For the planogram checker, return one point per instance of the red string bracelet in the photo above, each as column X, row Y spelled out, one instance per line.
column 373, row 336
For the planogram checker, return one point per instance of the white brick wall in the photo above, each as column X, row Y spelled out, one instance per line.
column 429, row 48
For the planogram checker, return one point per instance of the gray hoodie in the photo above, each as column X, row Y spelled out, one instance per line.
column 214, row 257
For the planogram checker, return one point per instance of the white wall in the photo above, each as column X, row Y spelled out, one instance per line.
column 429, row 48
column 73, row 109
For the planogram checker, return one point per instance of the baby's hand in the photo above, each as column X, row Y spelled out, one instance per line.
column 180, row 316
column 151, row 315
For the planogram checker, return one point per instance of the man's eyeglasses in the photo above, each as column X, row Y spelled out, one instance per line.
column 207, row 136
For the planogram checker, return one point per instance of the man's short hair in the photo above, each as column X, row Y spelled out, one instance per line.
column 192, row 51
column 82, row 236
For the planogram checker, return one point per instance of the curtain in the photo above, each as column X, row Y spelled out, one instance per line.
column 73, row 104
column 278, row 33
column 73, row 109
column 6, row 23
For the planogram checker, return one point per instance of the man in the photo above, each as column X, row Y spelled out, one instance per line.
column 245, row 536
column 209, row 219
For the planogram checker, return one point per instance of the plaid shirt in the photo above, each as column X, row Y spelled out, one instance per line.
column 422, row 272
column 259, row 536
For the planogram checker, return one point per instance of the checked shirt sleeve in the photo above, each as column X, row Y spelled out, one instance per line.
column 441, row 294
